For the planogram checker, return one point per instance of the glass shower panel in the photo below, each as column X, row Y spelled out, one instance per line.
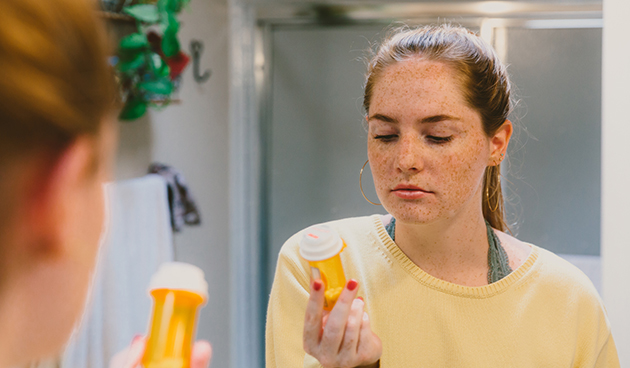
column 554, row 172
column 316, row 139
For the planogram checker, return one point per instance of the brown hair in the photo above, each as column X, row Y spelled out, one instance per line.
column 485, row 83
column 55, row 82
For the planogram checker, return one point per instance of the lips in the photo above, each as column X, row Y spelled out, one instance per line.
column 408, row 191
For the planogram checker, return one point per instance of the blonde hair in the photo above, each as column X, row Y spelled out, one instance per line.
column 485, row 81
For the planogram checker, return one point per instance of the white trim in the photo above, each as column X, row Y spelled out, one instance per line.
column 564, row 23
column 246, row 311
column 615, row 242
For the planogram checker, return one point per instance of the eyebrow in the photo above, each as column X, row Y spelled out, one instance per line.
column 428, row 120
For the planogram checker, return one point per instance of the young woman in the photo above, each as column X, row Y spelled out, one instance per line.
column 437, row 283
column 57, row 142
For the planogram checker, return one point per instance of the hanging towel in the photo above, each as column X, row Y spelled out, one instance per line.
column 137, row 239
column 181, row 202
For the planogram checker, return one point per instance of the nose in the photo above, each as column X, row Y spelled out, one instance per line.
column 410, row 158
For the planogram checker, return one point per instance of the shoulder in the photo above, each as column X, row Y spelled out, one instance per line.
column 562, row 283
column 570, row 291
column 551, row 271
column 564, row 274
column 552, row 268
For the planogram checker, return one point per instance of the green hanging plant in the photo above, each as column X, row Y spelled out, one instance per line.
column 150, row 60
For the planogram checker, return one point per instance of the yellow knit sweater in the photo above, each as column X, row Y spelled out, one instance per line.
column 544, row 314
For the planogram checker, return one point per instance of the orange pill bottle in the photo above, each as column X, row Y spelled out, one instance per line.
column 178, row 290
column 321, row 246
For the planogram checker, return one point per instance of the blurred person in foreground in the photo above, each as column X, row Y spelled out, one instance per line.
column 57, row 143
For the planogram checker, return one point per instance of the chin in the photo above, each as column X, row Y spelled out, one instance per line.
column 413, row 213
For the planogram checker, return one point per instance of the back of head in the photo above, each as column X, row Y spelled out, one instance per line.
column 56, row 90
column 484, row 79
column 55, row 82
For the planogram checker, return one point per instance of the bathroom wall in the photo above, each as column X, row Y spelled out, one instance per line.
column 615, row 174
column 192, row 136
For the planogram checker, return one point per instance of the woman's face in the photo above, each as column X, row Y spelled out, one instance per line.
column 426, row 146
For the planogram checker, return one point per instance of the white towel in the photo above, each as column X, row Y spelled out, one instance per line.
column 138, row 238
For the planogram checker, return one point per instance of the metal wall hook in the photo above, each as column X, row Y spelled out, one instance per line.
column 196, row 48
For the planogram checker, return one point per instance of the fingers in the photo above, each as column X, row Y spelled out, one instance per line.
column 336, row 324
column 353, row 328
column 131, row 356
column 342, row 337
column 201, row 354
column 313, row 317
column 370, row 347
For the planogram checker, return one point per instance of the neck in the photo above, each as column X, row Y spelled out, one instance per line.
column 10, row 336
column 28, row 318
column 453, row 249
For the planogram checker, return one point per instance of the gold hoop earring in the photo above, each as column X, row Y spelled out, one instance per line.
column 361, row 184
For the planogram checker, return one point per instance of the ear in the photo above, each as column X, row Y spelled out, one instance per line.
column 55, row 195
column 499, row 143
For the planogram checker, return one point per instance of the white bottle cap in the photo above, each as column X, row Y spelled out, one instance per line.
column 320, row 242
column 180, row 276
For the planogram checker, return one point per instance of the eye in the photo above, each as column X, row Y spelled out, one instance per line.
column 439, row 140
column 386, row 137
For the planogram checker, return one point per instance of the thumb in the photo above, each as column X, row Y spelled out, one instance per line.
column 201, row 354
column 131, row 357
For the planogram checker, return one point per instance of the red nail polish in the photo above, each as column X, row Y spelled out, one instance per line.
column 352, row 284
column 360, row 297
column 317, row 285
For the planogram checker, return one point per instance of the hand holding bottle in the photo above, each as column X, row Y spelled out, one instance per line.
column 342, row 337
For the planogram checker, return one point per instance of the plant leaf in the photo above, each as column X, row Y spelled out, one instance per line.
column 162, row 4
column 174, row 6
column 144, row 12
column 165, row 71
column 159, row 87
column 172, row 24
column 134, row 41
column 132, row 64
column 156, row 62
column 133, row 109
column 168, row 22
column 170, row 44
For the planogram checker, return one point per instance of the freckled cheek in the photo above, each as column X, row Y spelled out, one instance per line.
column 382, row 166
column 461, row 176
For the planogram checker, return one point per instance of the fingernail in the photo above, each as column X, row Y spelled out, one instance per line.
column 360, row 297
column 317, row 285
column 352, row 284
